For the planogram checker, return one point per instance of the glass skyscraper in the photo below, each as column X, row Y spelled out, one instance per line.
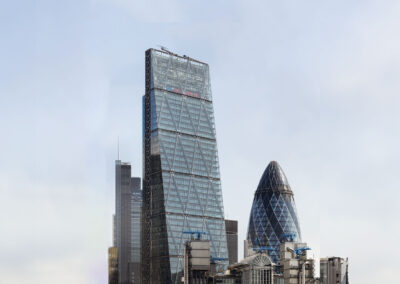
column 181, row 186
column 273, row 213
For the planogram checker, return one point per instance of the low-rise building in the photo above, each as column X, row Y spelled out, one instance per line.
column 334, row 270
column 296, row 267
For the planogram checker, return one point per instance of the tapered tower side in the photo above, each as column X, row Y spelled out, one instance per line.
column 146, row 194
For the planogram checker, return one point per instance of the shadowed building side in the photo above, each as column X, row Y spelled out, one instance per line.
column 231, row 227
column 128, row 200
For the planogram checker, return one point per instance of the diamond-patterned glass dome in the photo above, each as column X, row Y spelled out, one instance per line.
column 273, row 212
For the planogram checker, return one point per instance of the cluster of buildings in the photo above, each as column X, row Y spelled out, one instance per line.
column 170, row 228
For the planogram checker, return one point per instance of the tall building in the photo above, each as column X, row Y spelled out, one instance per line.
column 273, row 212
column 127, row 223
column 231, row 227
column 197, row 261
column 181, row 186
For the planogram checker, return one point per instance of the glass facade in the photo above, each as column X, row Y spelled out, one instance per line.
column 136, row 206
column 181, row 187
column 273, row 212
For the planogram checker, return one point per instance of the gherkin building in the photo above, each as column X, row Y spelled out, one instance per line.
column 273, row 213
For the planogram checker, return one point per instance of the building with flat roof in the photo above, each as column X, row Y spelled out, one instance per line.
column 334, row 270
column 181, row 186
column 231, row 227
column 128, row 199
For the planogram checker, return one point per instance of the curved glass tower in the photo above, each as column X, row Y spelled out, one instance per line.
column 273, row 212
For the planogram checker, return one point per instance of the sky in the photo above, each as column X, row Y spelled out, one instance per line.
column 311, row 84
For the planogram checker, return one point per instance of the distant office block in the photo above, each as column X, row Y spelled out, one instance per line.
column 334, row 270
column 127, row 223
column 231, row 227
column 197, row 262
column 112, row 265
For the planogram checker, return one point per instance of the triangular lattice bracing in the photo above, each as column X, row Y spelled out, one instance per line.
column 183, row 173
column 273, row 212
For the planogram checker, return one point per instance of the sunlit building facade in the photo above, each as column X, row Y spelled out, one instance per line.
column 273, row 213
column 181, row 186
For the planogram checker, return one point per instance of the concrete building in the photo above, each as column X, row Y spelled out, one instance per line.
column 197, row 262
column 231, row 227
column 296, row 267
column 112, row 265
column 181, row 186
column 200, row 267
column 334, row 270
column 254, row 269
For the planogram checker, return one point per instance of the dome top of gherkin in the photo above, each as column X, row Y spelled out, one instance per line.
column 274, row 178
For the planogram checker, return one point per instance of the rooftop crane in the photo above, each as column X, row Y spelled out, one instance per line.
column 289, row 237
column 196, row 233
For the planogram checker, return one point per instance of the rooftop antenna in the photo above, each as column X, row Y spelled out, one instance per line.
column 163, row 48
column 118, row 147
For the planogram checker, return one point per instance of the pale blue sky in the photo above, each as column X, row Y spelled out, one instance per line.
column 312, row 84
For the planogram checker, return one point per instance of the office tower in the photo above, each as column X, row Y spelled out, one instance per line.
column 127, row 220
column 112, row 265
column 334, row 270
column 123, row 219
column 181, row 186
column 136, row 206
column 273, row 213
column 231, row 227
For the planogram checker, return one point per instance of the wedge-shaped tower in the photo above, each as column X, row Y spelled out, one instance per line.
column 181, row 187
column 273, row 213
